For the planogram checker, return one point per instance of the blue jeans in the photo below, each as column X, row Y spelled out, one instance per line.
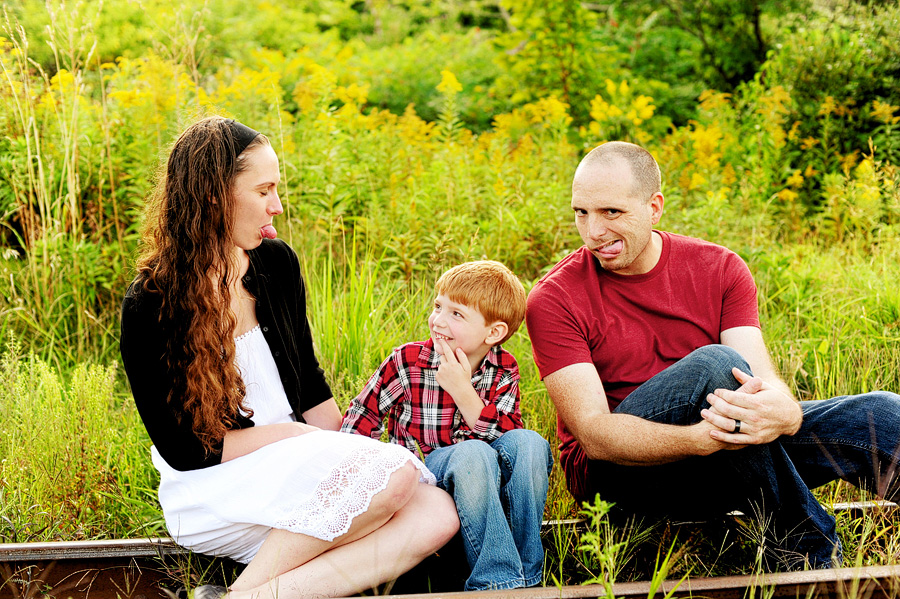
column 854, row 438
column 500, row 489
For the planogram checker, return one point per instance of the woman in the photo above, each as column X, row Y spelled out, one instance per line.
column 217, row 348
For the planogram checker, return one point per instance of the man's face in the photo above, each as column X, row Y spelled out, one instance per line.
column 614, row 221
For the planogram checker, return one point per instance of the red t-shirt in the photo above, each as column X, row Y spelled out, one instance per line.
column 633, row 327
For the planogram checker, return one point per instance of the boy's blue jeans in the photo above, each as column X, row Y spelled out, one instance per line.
column 855, row 438
column 500, row 489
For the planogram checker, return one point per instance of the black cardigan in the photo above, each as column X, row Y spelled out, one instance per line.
column 274, row 279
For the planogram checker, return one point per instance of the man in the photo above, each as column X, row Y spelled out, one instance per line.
column 649, row 346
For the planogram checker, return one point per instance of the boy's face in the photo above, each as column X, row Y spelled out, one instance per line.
column 459, row 325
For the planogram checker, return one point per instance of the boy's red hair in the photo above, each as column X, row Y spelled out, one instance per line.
column 489, row 287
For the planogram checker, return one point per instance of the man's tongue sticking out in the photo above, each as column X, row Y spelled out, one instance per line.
column 611, row 250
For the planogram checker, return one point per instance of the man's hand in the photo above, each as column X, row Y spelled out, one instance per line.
column 764, row 411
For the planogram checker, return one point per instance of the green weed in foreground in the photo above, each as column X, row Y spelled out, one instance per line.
column 74, row 461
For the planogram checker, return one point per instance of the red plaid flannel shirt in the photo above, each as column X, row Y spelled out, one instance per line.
column 420, row 413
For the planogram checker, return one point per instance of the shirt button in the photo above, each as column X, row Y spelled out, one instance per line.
column 278, row 353
column 246, row 278
column 265, row 329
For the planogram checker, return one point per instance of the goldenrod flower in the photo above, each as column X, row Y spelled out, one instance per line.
column 449, row 84
column 828, row 106
column 809, row 143
column 795, row 180
column 787, row 195
column 885, row 112
column 611, row 88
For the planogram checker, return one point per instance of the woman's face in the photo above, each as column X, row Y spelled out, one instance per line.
column 256, row 198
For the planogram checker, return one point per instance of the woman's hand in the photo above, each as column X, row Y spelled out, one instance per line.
column 240, row 442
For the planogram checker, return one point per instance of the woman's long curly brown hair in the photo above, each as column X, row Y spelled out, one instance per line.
column 187, row 258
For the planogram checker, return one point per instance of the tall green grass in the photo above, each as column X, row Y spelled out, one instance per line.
column 74, row 455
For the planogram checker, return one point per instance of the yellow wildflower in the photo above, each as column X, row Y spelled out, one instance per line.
column 63, row 81
column 827, row 106
column 413, row 129
column 644, row 107
column 546, row 110
column 885, row 112
column 125, row 98
column 345, row 54
column 352, row 94
column 499, row 188
column 810, row 172
column 849, row 161
column 706, row 142
column 696, row 181
column 711, row 99
column 795, row 180
column 449, row 84
column 601, row 110
column 808, row 143
column 787, row 195
column 865, row 170
column 611, row 88
column 774, row 104
column 728, row 175
column 317, row 86
column 778, row 137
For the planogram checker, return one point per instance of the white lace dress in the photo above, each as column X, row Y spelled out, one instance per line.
column 314, row 484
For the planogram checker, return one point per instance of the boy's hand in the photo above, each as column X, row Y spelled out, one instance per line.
column 454, row 375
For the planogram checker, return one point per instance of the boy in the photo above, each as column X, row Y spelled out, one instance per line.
column 455, row 398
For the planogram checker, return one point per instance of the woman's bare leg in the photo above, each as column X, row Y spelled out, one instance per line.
column 283, row 551
column 421, row 527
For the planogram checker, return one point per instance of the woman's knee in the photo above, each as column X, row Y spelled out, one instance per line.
column 401, row 487
column 437, row 518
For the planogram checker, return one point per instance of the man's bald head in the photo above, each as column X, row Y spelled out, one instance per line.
column 644, row 170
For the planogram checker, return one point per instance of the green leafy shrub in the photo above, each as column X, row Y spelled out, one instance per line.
column 74, row 460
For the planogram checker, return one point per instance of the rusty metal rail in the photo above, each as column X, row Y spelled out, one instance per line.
column 143, row 568
column 879, row 582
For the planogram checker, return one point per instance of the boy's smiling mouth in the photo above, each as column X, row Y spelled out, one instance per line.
column 444, row 337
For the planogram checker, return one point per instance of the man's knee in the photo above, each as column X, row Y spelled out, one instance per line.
column 714, row 362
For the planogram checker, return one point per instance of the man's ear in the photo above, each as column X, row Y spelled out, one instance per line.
column 498, row 331
column 656, row 207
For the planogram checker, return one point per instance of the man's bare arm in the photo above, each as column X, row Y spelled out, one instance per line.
column 580, row 400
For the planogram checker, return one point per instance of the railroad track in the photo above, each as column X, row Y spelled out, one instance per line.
column 143, row 568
